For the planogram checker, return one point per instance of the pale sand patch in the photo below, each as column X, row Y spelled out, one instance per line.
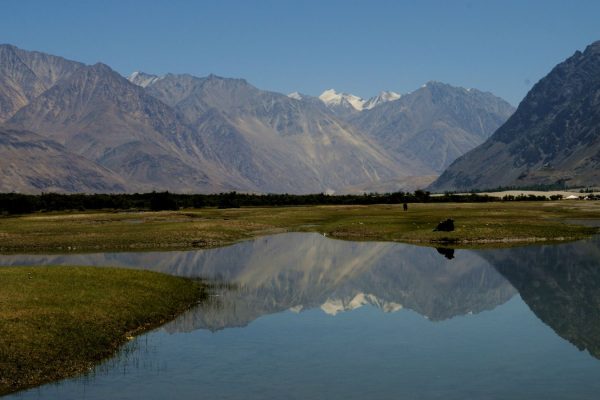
column 563, row 193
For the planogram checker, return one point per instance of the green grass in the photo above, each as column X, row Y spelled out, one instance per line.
column 57, row 322
column 478, row 224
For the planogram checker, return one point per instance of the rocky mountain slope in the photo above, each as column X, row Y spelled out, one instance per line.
column 277, row 142
column 552, row 139
column 101, row 116
column 434, row 124
column 24, row 75
column 69, row 172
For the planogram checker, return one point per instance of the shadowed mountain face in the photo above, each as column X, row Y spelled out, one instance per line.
column 561, row 285
column 552, row 138
column 302, row 271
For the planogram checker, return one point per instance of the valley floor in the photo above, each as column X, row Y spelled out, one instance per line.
column 496, row 224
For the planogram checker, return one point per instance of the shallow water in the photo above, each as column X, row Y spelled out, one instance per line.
column 303, row 316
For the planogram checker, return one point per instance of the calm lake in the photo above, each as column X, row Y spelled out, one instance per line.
column 301, row 316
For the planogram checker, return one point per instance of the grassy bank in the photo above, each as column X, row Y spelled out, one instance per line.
column 477, row 224
column 57, row 322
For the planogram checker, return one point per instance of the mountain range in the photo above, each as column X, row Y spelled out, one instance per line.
column 553, row 138
column 207, row 134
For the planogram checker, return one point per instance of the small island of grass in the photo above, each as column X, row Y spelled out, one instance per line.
column 58, row 322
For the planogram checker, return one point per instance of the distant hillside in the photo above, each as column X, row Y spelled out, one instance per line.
column 435, row 124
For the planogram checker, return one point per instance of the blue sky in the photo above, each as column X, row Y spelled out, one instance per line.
column 360, row 47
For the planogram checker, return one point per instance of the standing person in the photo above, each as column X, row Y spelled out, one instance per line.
column 405, row 206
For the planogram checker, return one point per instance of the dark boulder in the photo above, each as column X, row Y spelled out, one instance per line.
column 445, row 226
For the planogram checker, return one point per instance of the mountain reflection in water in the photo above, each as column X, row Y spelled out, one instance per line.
column 560, row 284
column 304, row 271
column 301, row 271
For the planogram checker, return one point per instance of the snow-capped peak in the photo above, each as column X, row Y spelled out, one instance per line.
column 382, row 97
column 332, row 98
column 295, row 95
column 335, row 306
column 142, row 79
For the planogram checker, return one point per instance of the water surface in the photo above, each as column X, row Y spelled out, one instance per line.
column 303, row 316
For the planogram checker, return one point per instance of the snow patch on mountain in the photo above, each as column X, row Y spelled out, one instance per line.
column 382, row 97
column 142, row 79
column 332, row 98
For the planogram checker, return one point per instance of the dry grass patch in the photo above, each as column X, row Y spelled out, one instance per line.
column 489, row 224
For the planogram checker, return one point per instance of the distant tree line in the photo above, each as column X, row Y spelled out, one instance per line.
column 15, row 203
